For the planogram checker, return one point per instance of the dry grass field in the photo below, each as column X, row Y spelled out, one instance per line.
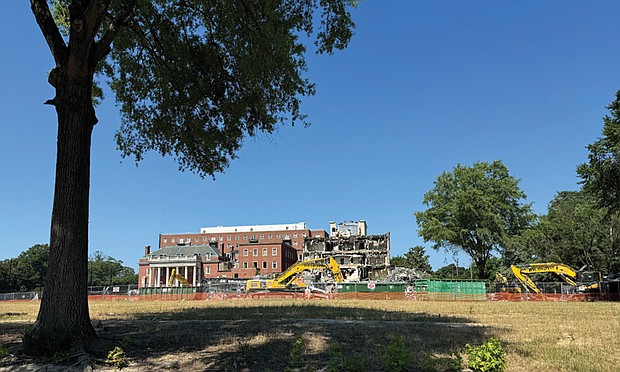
column 314, row 335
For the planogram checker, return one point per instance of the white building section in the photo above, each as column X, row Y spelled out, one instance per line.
column 231, row 229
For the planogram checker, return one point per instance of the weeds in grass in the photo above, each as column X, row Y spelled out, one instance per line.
column 488, row 357
column 3, row 354
column 295, row 356
column 244, row 358
column 396, row 356
column 432, row 363
column 339, row 362
column 116, row 357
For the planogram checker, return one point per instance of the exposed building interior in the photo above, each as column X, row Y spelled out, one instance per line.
column 360, row 256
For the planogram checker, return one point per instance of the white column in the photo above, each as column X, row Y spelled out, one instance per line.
column 167, row 275
column 150, row 274
column 186, row 276
column 194, row 279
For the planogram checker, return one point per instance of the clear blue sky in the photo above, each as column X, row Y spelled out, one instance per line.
column 424, row 85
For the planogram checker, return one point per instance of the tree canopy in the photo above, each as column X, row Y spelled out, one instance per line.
column 575, row 231
column 475, row 209
column 415, row 258
column 192, row 79
column 601, row 174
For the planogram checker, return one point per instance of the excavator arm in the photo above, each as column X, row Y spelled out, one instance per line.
column 174, row 275
column 563, row 271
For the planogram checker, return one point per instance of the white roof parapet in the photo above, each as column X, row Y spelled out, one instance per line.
column 253, row 228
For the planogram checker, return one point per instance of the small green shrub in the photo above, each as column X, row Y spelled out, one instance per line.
column 294, row 360
column 488, row 357
column 116, row 357
column 3, row 354
column 396, row 356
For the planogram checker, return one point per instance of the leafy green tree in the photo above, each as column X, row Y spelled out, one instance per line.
column 31, row 268
column 576, row 231
column 106, row 270
column 475, row 209
column 452, row 271
column 415, row 258
column 601, row 175
column 192, row 79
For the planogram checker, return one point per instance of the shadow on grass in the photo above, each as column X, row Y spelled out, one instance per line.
column 274, row 338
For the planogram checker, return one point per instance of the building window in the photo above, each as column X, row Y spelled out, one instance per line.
column 245, row 265
column 245, row 237
column 274, row 264
column 255, row 252
column 245, row 252
column 264, row 264
column 236, row 237
column 295, row 243
column 278, row 236
column 221, row 238
column 270, row 236
column 204, row 238
column 304, row 235
column 294, row 235
column 255, row 264
column 196, row 239
column 173, row 240
column 208, row 270
column 274, row 251
column 165, row 241
column 262, row 236
column 264, row 251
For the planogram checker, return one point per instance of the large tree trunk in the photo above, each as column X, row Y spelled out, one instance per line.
column 63, row 319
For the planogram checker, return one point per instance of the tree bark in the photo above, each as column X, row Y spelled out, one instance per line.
column 63, row 320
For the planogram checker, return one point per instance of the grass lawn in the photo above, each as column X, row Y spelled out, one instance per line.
column 311, row 335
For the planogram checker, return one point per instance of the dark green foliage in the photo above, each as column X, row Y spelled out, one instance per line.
column 475, row 209
column 488, row 357
column 396, row 356
column 295, row 355
column 194, row 78
column 452, row 272
column 25, row 272
column 601, row 174
column 341, row 362
column 576, row 231
column 415, row 258
column 106, row 270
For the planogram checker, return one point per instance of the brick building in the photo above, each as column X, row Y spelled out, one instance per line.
column 225, row 251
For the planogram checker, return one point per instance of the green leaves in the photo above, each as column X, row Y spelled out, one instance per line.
column 476, row 209
column 194, row 78
column 601, row 174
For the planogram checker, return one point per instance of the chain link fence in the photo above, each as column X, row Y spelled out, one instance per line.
column 96, row 292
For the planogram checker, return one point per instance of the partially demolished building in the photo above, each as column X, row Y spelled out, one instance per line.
column 360, row 256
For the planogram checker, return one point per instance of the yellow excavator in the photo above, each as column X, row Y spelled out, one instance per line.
column 174, row 275
column 582, row 281
column 291, row 278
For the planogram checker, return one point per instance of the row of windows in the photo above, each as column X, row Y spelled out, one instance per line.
column 274, row 265
column 274, row 252
column 229, row 238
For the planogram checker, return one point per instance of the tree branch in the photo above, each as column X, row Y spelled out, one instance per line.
column 52, row 35
column 103, row 45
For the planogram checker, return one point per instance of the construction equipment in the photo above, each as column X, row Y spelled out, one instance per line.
column 174, row 275
column 503, row 285
column 582, row 281
column 291, row 278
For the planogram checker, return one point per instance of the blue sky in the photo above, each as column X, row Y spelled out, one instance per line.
column 423, row 86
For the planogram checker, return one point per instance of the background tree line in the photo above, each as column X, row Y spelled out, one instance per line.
column 480, row 210
column 27, row 271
